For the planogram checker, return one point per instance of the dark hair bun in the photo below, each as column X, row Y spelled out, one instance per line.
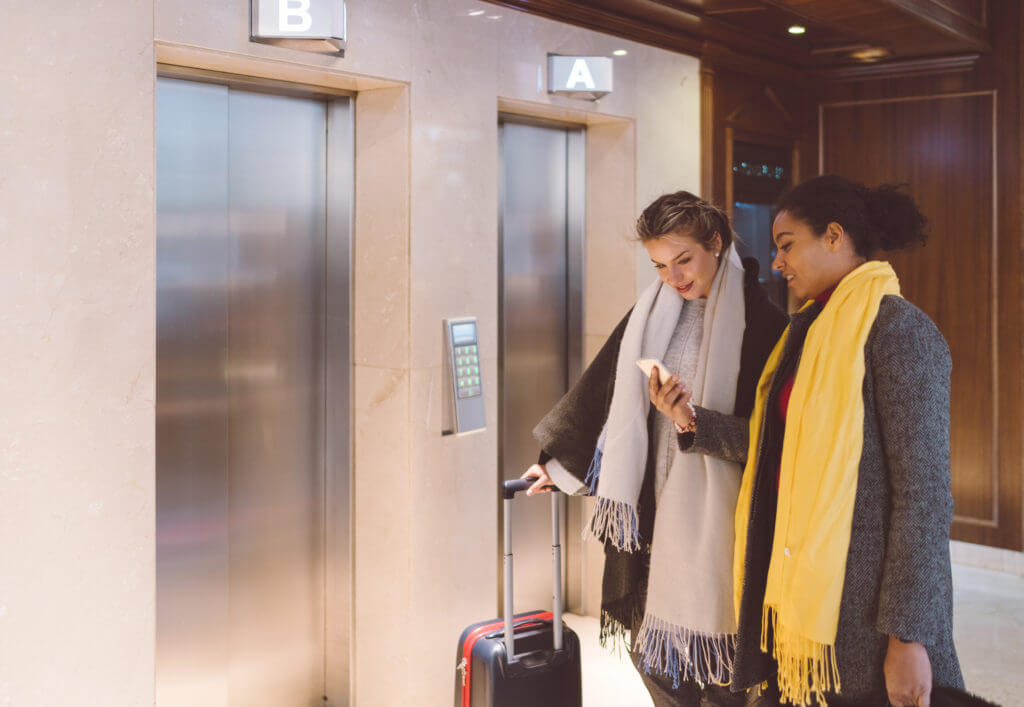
column 895, row 218
column 883, row 218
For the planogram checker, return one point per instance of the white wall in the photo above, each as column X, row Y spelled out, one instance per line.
column 78, row 323
column 77, row 342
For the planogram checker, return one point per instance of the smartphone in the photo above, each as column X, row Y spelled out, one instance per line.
column 647, row 365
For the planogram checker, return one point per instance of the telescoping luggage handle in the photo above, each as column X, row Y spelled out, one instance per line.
column 508, row 492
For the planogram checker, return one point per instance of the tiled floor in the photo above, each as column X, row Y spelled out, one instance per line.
column 609, row 679
column 988, row 623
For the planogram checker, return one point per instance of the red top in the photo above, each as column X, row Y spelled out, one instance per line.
column 787, row 388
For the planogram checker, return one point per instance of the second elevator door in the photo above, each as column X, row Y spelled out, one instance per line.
column 541, row 309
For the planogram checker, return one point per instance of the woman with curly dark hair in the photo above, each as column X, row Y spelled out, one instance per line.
column 843, row 585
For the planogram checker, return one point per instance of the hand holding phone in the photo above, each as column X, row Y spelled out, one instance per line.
column 647, row 365
column 674, row 401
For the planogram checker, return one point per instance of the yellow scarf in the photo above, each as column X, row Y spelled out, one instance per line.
column 820, row 457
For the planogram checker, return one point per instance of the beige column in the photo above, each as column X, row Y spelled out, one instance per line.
column 77, row 327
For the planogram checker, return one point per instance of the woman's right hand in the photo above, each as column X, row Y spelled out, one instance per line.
column 671, row 399
column 543, row 483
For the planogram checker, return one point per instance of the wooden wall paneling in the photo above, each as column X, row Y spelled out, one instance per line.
column 1005, row 23
column 973, row 11
column 951, row 17
column 993, row 75
column 1014, row 281
column 707, row 132
column 942, row 148
column 728, row 198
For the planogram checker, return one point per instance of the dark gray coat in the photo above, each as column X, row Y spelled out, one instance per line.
column 898, row 577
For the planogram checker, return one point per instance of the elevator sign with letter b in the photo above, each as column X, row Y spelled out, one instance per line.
column 298, row 19
column 590, row 76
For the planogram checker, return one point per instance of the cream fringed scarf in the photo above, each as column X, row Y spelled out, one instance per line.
column 818, row 483
column 688, row 625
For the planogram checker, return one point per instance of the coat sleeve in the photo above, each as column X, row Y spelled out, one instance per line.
column 570, row 430
column 718, row 435
column 911, row 367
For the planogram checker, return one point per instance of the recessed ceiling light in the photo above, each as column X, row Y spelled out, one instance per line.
column 476, row 13
column 494, row 17
column 797, row 29
column 870, row 54
column 620, row 52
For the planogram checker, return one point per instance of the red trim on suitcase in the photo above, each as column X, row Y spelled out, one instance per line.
column 478, row 633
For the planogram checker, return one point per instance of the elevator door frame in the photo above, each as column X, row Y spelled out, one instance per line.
column 338, row 528
column 573, row 568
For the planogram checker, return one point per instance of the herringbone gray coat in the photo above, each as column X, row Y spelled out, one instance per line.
column 898, row 577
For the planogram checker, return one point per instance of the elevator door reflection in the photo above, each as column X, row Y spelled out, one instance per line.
column 536, row 312
column 241, row 317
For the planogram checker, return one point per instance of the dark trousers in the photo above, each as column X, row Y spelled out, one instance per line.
column 688, row 694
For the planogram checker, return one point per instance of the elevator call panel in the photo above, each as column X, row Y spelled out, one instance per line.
column 463, row 382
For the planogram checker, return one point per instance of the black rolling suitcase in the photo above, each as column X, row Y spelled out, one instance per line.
column 544, row 670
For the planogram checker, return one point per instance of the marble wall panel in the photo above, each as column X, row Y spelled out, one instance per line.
column 78, row 345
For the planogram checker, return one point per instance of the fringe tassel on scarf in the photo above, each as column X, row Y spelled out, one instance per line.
column 594, row 470
column 677, row 651
column 806, row 668
column 614, row 634
column 616, row 522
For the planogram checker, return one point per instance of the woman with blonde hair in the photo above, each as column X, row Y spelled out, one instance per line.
column 666, row 517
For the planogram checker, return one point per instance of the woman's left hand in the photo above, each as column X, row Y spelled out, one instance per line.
column 671, row 399
column 908, row 674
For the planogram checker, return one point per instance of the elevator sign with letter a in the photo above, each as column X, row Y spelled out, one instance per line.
column 298, row 19
column 586, row 76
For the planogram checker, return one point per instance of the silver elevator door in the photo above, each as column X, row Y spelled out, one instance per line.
column 242, row 448
column 541, row 256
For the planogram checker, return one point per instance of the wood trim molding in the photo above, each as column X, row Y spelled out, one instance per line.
column 649, row 31
column 947, row 20
column 901, row 69
column 730, row 136
column 707, row 132
column 607, row 22
column 980, row 22
column 993, row 520
column 724, row 57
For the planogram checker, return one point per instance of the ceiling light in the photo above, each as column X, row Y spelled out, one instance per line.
column 476, row 13
column 620, row 52
column 870, row 54
column 797, row 29
column 494, row 17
